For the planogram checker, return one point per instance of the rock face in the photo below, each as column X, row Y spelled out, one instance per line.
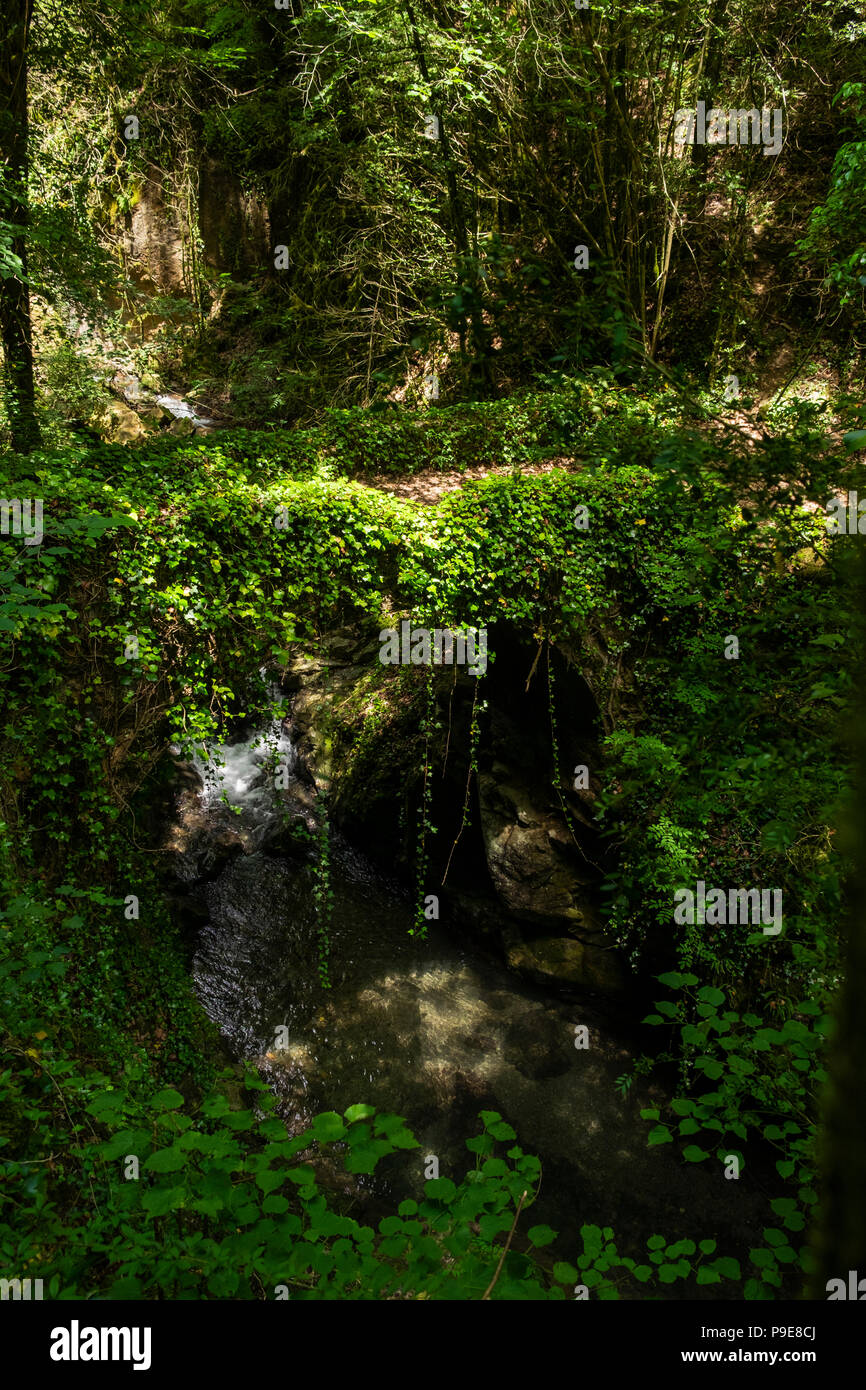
column 201, row 838
column 526, row 845
column 320, row 683
column 121, row 425
column 561, row 958
column 233, row 223
column 524, row 878
column 539, row 839
column 535, row 868
column 181, row 427
column 154, row 238
column 197, row 850
column 526, row 873
column 154, row 414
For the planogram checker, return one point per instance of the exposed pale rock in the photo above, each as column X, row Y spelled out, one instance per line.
column 567, row 960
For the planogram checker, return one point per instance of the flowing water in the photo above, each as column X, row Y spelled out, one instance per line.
column 433, row 1030
column 181, row 409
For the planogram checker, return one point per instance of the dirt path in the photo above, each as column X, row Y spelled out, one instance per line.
column 428, row 486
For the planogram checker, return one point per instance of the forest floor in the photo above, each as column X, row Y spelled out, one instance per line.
column 428, row 486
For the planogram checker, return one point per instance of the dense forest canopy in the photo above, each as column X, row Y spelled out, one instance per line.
column 222, row 135
column 537, row 319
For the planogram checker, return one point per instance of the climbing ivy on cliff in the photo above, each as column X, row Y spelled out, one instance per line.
column 217, row 557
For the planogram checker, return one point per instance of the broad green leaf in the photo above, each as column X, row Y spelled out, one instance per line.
column 541, row 1235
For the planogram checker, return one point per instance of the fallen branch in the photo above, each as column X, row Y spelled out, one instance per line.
column 487, row 1291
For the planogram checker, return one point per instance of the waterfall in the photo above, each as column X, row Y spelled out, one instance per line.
column 243, row 774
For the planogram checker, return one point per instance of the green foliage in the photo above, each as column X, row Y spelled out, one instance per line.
column 835, row 236
column 459, row 251
column 406, row 253
column 220, row 1202
column 396, row 440
column 747, row 1082
column 219, row 555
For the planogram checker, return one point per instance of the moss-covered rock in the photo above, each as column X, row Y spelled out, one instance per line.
column 565, row 960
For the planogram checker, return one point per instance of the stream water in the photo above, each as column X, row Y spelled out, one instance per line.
column 434, row 1030
column 181, row 409
column 136, row 396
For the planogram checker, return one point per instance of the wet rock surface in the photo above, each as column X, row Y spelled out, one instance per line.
column 562, row 959
column 535, row 892
column 436, row 1033
column 433, row 1029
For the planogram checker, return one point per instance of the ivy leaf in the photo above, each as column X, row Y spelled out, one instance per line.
column 128, row 1141
column 659, row 1135
column 693, row 1154
column 592, row 1238
column 166, row 1160
column 541, row 1235
column 168, row 1099
column 160, row 1200
column 480, row 1144
column 328, row 1127
column 693, row 1036
column 363, row 1112
column 270, row 1180
column 441, row 1188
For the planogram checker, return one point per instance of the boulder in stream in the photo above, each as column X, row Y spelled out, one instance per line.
column 565, row 960
column 120, row 424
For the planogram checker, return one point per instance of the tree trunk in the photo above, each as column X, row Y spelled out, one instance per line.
column 711, row 66
column 839, row 1244
column 465, row 263
column 15, row 326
